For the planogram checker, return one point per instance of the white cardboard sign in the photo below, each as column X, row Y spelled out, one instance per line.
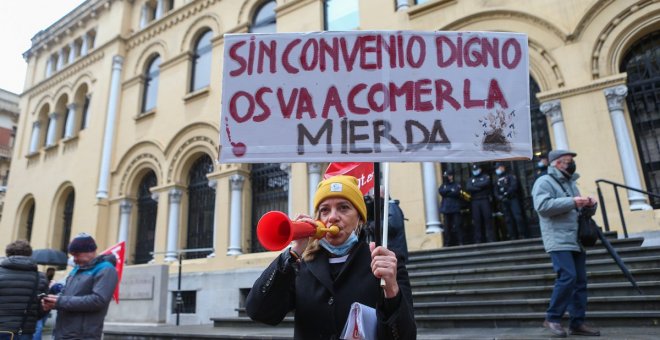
column 373, row 96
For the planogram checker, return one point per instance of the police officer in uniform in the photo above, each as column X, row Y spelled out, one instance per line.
column 451, row 208
column 506, row 193
column 480, row 188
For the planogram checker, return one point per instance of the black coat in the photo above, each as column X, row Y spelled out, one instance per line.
column 17, row 286
column 322, row 305
column 507, row 187
column 451, row 197
column 479, row 187
column 396, row 231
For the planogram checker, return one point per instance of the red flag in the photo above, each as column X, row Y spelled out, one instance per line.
column 364, row 172
column 118, row 250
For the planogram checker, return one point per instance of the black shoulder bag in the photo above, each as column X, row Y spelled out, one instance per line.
column 587, row 227
column 29, row 304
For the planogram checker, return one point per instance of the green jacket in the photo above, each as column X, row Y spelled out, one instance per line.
column 557, row 213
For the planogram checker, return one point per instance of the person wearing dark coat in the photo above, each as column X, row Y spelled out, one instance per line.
column 480, row 188
column 506, row 192
column 20, row 286
column 396, row 231
column 451, row 209
column 320, row 279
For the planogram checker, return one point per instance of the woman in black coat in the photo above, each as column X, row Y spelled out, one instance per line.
column 320, row 279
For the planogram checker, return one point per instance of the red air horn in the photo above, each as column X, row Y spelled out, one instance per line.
column 275, row 231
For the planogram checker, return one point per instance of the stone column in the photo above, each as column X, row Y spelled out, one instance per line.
column 84, row 48
column 430, row 198
column 289, row 206
column 402, row 5
column 144, row 16
column 213, row 184
column 160, row 9
column 49, row 66
column 72, row 52
column 70, row 120
column 125, row 208
column 313, row 177
column 109, row 134
column 173, row 225
column 552, row 109
column 52, row 128
column 61, row 59
column 34, row 140
column 615, row 97
column 235, row 217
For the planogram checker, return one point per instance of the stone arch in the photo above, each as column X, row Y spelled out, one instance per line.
column 141, row 156
column 208, row 21
column 58, row 236
column 156, row 48
column 64, row 90
column 84, row 79
column 542, row 66
column 22, row 212
column 193, row 139
column 619, row 33
column 43, row 101
column 249, row 8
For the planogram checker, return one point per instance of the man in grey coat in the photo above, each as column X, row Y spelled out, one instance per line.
column 558, row 202
column 83, row 304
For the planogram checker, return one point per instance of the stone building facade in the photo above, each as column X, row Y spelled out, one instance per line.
column 120, row 118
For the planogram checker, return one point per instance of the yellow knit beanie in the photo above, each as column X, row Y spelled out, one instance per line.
column 341, row 186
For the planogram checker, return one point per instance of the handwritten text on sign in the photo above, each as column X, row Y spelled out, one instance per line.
column 375, row 96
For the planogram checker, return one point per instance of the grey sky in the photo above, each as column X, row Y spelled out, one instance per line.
column 20, row 20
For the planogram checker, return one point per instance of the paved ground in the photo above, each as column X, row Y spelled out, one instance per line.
column 209, row 332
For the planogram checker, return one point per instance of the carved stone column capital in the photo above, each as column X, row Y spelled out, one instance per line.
column 314, row 168
column 175, row 195
column 552, row 109
column 125, row 207
column 236, row 181
column 286, row 167
column 615, row 97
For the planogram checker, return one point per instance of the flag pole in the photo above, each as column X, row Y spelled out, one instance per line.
column 377, row 220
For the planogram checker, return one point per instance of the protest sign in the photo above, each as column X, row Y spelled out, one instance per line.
column 372, row 96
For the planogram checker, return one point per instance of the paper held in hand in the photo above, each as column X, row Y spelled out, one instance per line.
column 361, row 323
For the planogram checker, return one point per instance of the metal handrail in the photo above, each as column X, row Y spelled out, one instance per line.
column 616, row 187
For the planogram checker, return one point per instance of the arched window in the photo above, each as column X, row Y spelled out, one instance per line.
column 201, row 63
column 29, row 223
column 341, row 15
column 26, row 221
column 151, row 85
column 264, row 20
column 85, row 112
column 201, row 208
column 147, row 209
column 642, row 64
column 270, row 186
column 68, row 219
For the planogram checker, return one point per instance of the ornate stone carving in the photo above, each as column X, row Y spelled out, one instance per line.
column 125, row 207
column 175, row 196
column 236, row 181
column 615, row 97
column 552, row 109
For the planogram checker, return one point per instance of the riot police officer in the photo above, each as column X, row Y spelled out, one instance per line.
column 506, row 193
column 451, row 209
column 480, row 188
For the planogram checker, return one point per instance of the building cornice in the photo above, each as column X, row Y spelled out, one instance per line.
column 89, row 9
column 292, row 6
column 428, row 7
column 170, row 19
column 71, row 69
column 597, row 85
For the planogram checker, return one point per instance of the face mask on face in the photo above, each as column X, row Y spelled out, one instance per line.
column 476, row 172
column 341, row 249
column 570, row 168
column 541, row 165
column 499, row 171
